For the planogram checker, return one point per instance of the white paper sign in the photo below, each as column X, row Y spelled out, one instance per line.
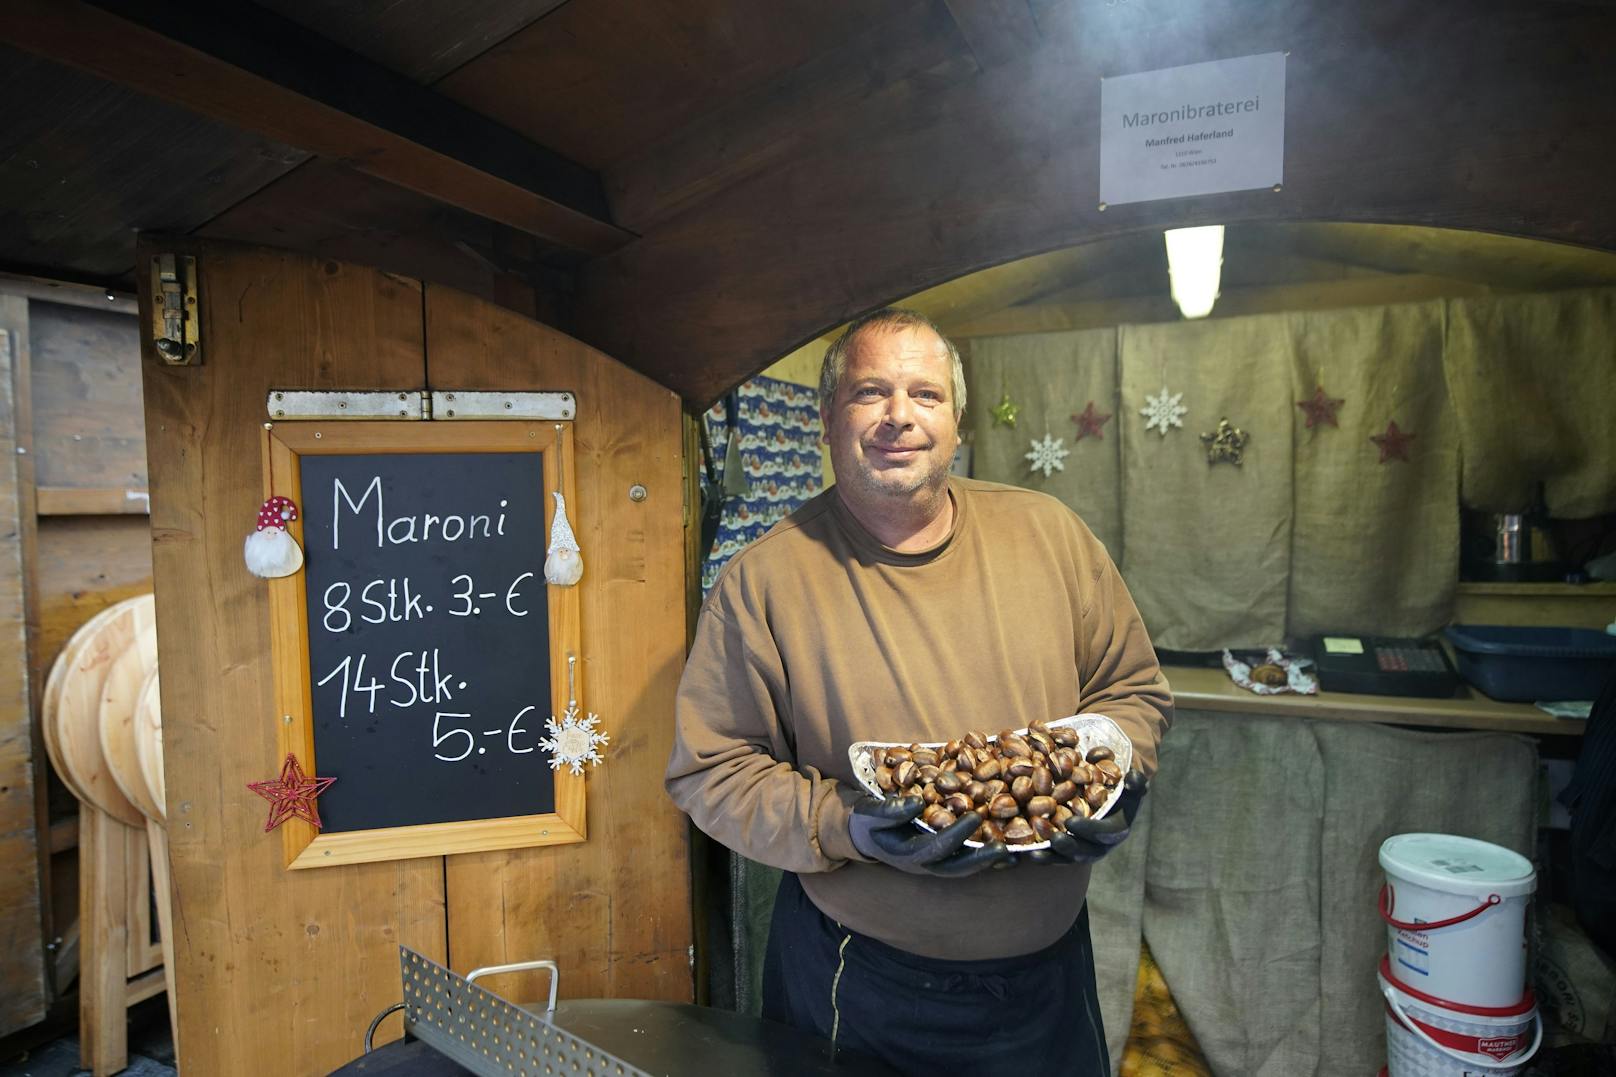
column 1199, row 129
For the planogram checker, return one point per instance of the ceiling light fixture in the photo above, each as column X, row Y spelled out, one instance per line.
column 1194, row 264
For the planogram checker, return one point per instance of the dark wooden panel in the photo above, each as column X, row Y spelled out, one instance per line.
column 598, row 79
column 276, row 969
column 421, row 39
column 248, row 67
column 330, row 211
column 23, row 991
column 998, row 30
column 88, row 426
column 899, row 198
column 85, row 163
column 917, row 49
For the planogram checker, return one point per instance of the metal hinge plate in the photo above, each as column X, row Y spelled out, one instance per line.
column 471, row 404
column 176, row 314
column 397, row 405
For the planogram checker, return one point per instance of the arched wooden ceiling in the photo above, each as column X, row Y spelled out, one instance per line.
column 698, row 186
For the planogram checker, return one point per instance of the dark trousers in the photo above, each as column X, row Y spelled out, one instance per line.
column 1030, row 1016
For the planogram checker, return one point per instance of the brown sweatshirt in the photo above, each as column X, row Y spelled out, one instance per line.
column 817, row 636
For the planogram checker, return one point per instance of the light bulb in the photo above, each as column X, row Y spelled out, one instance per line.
column 1194, row 265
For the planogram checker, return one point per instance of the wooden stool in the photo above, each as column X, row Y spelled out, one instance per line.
column 91, row 697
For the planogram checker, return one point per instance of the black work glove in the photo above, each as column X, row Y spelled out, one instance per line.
column 884, row 830
column 1087, row 840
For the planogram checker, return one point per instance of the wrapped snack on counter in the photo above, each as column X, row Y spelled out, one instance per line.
column 1279, row 673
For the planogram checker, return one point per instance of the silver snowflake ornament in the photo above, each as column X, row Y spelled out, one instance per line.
column 1163, row 411
column 573, row 741
column 1047, row 454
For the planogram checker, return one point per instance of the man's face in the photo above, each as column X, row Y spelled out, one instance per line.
column 891, row 426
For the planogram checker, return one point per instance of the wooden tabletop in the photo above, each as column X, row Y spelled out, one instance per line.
column 1212, row 690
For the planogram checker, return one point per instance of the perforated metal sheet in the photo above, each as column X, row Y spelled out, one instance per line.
column 490, row 1036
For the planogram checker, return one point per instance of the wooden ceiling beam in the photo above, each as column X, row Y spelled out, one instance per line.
column 250, row 68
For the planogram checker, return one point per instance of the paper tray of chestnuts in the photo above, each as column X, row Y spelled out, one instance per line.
column 1022, row 782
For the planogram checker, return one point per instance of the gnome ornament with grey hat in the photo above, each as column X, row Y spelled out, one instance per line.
column 563, row 562
column 271, row 551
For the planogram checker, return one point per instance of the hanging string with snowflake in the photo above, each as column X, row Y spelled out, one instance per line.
column 1164, row 410
column 573, row 741
column 1048, row 453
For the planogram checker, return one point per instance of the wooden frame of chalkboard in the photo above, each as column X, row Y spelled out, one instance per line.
column 442, row 454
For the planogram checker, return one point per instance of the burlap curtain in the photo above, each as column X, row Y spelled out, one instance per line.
column 1206, row 548
column 1533, row 380
column 1050, row 376
column 1312, row 532
column 1257, row 878
column 1376, row 545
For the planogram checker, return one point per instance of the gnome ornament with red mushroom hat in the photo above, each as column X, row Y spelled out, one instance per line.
column 271, row 551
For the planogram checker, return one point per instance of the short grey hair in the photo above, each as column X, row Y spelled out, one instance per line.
column 888, row 318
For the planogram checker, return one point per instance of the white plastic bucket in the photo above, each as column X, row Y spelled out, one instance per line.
column 1427, row 1037
column 1455, row 912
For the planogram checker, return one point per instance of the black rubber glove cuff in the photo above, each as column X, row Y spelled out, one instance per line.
column 1087, row 840
column 884, row 830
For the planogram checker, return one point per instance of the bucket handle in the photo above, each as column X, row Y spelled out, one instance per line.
column 1387, row 898
column 1460, row 1056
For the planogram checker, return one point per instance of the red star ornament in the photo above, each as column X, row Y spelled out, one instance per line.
column 1320, row 408
column 1393, row 443
column 1089, row 422
column 291, row 795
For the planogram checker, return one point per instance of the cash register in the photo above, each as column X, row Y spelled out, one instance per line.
column 1383, row 666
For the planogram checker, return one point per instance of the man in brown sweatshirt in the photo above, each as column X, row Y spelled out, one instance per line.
column 904, row 604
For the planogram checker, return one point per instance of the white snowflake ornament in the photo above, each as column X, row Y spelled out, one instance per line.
column 1047, row 454
column 1163, row 411
column 573, row 741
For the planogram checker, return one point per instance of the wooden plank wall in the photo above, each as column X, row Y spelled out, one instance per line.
column 23, row 985
column 300, row 962
column 73, row 490
column 617, row 924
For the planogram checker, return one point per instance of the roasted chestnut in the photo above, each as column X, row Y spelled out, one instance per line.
column 1004, row 806
column 1021, row 789
column 1019, row 832
column 1098, row 753
column 1040, row 806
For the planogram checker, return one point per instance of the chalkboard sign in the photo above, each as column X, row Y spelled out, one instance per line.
column 428, row 649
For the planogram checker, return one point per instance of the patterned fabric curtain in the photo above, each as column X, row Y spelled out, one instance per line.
column 767, row 470
column 778, row 453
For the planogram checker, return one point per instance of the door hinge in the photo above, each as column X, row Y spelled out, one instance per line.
column 176, row 312
column 419, row 404
column 395, row 404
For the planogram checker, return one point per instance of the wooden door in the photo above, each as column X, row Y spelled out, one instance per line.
column 293, row 965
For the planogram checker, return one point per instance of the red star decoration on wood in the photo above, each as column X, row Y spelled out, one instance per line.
column 1321, row 408
column 1089, row 422
column 292, row 794
column 1393, row 443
